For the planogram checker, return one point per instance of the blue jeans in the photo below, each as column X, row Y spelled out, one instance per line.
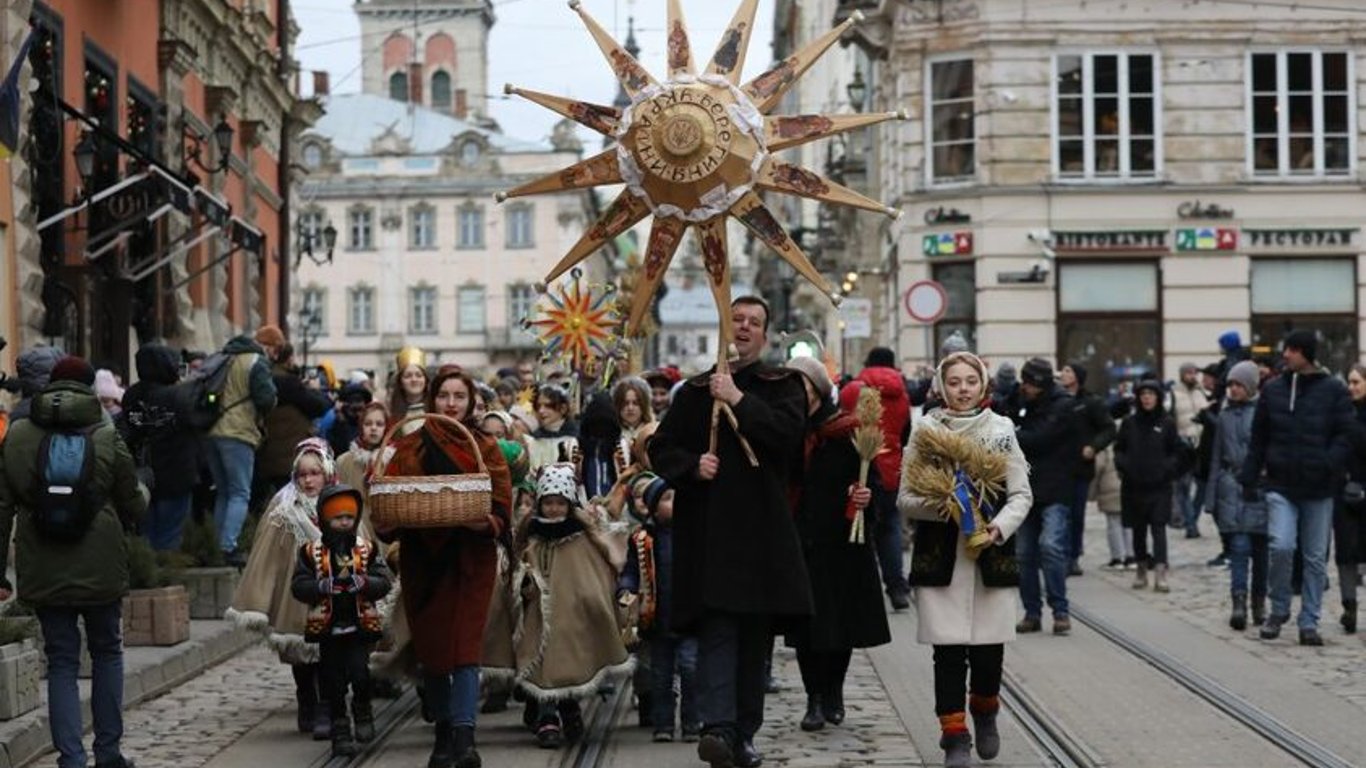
column 454, row 697
column 1244, row 550
column 166, row 521
column 62, row 644
column 231, row 463
column 1077, row 518
column 670, row 655
column 887, row 540
column 1186, row 512
column 1308, row 523
column 1041, row 544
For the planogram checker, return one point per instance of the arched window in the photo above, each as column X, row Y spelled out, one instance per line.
column 441, row 91
column 398, row 86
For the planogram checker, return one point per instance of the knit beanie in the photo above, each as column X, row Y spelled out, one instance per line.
column 954, row 343
column 1230, row 341
column 1006, row 376
column 1246, row 374
column 814, row 371
column 1305, row 341
column 73, row 368
column 651, row 488
column 880, row 357
column 1152, row 385
column 270, row 336
column 338, row 500
column 1037, row 372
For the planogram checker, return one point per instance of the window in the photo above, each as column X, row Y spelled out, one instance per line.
column 1307, row 294
column 519, row 234
column 398, row 86
column 959, row 279
column 1106, row 124
column 422, row 309
column 521, row 303
column 701, row 345
column 469, row 153
column 315, row 307
column 361, row 223
column 471, row 223
column 313, row 156
column 1301, row 114
column 1108, row 321
column 422, row 232
column 441, row 91
column 470, row 306
column 360, row 312
column 953, row 148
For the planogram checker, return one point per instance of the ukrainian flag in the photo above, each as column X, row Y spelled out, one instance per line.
column 1206, row 239
column 946, row 245
column 10, row 101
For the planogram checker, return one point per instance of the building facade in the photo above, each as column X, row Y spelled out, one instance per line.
column 433, row 53
column 424, row 256
column 150, row 186
column 1121, row 190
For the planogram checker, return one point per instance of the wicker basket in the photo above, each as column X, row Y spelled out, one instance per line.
column 430, row 501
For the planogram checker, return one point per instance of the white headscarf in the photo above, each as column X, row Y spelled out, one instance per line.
column 961, row 357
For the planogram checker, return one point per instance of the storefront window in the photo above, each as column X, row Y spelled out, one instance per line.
column 960, row 283
column 1108, row 321
column 1319, row 297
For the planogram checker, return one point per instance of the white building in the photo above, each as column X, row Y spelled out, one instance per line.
column 1121, row 187
column 423, row 254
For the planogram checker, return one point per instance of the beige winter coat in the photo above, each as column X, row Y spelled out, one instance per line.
column 263, row 601
column 568, row 639
column 1187, row 403
column 967, row 612
column 1105, row 486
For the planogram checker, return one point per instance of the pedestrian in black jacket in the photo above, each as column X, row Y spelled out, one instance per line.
column 165, row 449
column 1148, row 457
column 1049, row 442
column 1300, row 439
column 1095, row 432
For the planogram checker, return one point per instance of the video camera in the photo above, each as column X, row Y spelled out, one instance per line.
column 7, row 382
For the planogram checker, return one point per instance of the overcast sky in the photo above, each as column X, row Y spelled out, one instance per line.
column 538, row 44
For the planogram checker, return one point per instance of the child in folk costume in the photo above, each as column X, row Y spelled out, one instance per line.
column 341, row 577
column 263, row 600
column 567, row 639
column 644, row 589
column 965, row 483
column 499, row 667
column 353, row 465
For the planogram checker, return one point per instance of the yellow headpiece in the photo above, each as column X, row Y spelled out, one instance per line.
column 410, row 356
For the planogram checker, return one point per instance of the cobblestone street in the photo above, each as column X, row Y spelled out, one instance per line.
column 189, row 726
column 1200, row 597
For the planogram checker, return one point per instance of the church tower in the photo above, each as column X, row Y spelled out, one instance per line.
column 428, row 52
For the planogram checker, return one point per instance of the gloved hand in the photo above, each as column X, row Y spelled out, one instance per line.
column 1250, row 493
column 358, row 582
column 341, row 585
column 325, row 586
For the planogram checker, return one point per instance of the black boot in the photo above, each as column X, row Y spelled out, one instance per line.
column 342, row 743
column 465, row 754
column 814, row 720
column 306, row 694
column 832, row 706
column 443, row 751
column 1349, row 616
column 1258, row 609
column 1238, row 618
column 365, row 720
column 322, row 722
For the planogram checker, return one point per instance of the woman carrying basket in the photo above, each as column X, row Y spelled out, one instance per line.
column 448, row 568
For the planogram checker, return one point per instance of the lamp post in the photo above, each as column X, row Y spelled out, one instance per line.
column 84, row 154
column 311, row 325
column 857, row 90
column 222, row 138
column 309, row 240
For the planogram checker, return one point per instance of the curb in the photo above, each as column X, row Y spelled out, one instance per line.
column 148, row 672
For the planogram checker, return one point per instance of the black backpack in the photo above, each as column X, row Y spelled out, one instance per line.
column 65, row 503
column 199, row 399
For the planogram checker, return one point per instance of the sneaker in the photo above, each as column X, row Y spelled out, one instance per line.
column 1115, row 564
column 1192, row 534
column 900, row 600
column 663, row 737
column 1130, row 563
column 691, row 734
column 1029, row 624
column 1272, row 628
column 1061, row 625
column 1310, row 637
column 1219, row 561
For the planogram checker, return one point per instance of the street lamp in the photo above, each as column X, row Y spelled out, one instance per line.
column 309, row 239
column 222, row 138
column 850, row 282
column 310, row 320
column 84, row 153
column 857, row 90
